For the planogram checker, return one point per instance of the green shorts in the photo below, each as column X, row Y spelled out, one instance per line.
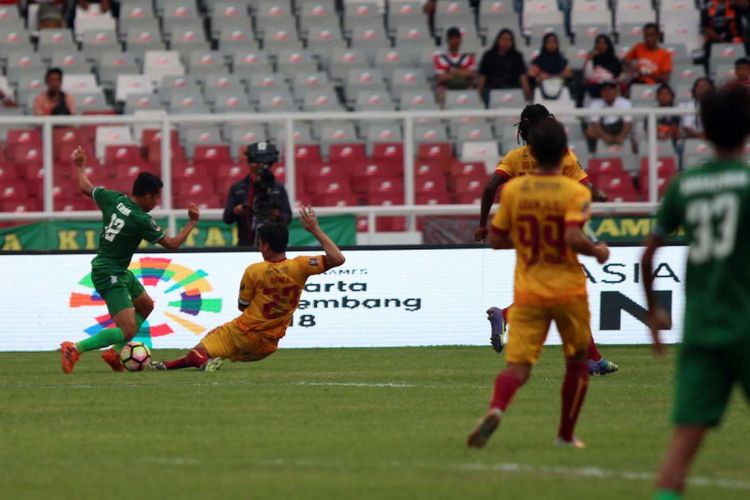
column 706, row 376
column 118, row 291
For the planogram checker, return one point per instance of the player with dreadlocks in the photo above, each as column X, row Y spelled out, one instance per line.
column 520, row 162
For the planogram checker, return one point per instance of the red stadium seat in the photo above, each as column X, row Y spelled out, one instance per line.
column 615, row 181
column 605, row 165
column 14, row 190
column 336, row 200
column 388, row 187
column 128, row 170
column 27, row 154
column 468, row 185
column 430, row 185
column 362, row 171
column 20, row 206
column 185, row 171
column 202, row 200
column 347, row 152
column 279, row 173
column 432, row 198
column 385, row 151
column 231, row 171
column 153, row 154
column 473, row 198
column 428, row 167
column 435, row 151
column 307, row 152
column 8, row 173
column 194, row 187
column 475, row 170
column 332, row 170
column 211, row 154
column 123, row 153
column 65, row 135
column 666, row 166
column 622, row 196
column 390, row 224
column 330, row 186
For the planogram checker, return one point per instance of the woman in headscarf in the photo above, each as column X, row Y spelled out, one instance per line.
column 550, row 63
column 502, row 67
column 602, row 65
column 690, row 125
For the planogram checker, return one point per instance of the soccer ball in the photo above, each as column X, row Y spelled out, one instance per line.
column 135, row 356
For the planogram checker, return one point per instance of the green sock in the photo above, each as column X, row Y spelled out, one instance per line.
column 106, row 338
column 668, row 495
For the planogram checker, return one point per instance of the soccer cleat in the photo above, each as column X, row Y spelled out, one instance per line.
column 602, row 367
column 111, row 357
column 212, row 365
column 481, row 434
column 497, row 327
column 157, row 365
column 575, row 443
column 69, row 355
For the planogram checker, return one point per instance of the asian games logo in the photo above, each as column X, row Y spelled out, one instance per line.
column 179, row 294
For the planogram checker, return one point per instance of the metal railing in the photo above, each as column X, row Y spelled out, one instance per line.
column 409, row 208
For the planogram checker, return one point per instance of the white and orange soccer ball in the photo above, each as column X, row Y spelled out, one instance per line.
column 135, row 356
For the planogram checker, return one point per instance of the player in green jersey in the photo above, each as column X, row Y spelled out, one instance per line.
column 712, row 203
column 126, row 222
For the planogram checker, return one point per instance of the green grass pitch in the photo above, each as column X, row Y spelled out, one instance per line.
column 343, row 423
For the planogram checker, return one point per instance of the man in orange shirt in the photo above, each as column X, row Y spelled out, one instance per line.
column 650, row 63
column 542, row 215
column 269, row 294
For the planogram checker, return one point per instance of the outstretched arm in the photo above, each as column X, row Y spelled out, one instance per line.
column 488, row 197
column 309, row 220
column 175, row 242
column 79, row 160
column 658, row 319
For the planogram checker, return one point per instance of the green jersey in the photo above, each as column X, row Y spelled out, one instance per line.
column 712, row 203
column 125, row 225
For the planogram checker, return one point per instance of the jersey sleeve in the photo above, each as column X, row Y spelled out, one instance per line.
column 501, row 220
column 150, row 230
column 578, row 211
column 309, row 265
column 572, row 168
column 103, row 197
column 247, row 287
column 669, row 216
column 508, row 166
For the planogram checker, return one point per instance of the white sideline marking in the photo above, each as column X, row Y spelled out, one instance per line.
column 170, row 461
column 357, row 384
column 596, row 472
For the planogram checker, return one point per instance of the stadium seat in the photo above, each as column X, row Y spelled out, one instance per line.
column 112, row 136
column 439, row 151
column 160, row 63
column 128, row 85
column 98, row 42
column 212, row 154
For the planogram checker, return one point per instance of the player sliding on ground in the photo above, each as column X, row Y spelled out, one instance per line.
column 516, row 163
column 542, row 215
column 125, row 223
column 269, row 294
column 712, row 203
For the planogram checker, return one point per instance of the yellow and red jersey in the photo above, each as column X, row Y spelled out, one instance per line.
column 534, row 211
column 520, row 162
column 271, row 292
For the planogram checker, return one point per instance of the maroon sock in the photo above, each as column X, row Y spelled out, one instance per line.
column 594, row 354
column 506, row 386
column 505, row 313
column 573, row 393
column 192, row 359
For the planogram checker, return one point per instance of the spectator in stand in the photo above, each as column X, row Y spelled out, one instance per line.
column 602, row 65
column 502, row 67
column 50, row 14
column 649, row 63
column 742, row 13
column 690, row 125
column 549, row 65
column 613, row 130
column 742, row 71
column 454, row 70
column 54, row 101
column 6, row 94
column 667, row 126
column 719, row 24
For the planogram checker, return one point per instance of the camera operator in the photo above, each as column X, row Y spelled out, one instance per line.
column 258, row 198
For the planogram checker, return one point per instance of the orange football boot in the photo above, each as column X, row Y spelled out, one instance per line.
column 69, row 355
column 111, row 357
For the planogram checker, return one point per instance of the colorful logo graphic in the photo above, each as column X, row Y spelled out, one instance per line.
column 179, row 294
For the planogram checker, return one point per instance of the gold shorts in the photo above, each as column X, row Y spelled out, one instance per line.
column 229, row 341
column 529, row 326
